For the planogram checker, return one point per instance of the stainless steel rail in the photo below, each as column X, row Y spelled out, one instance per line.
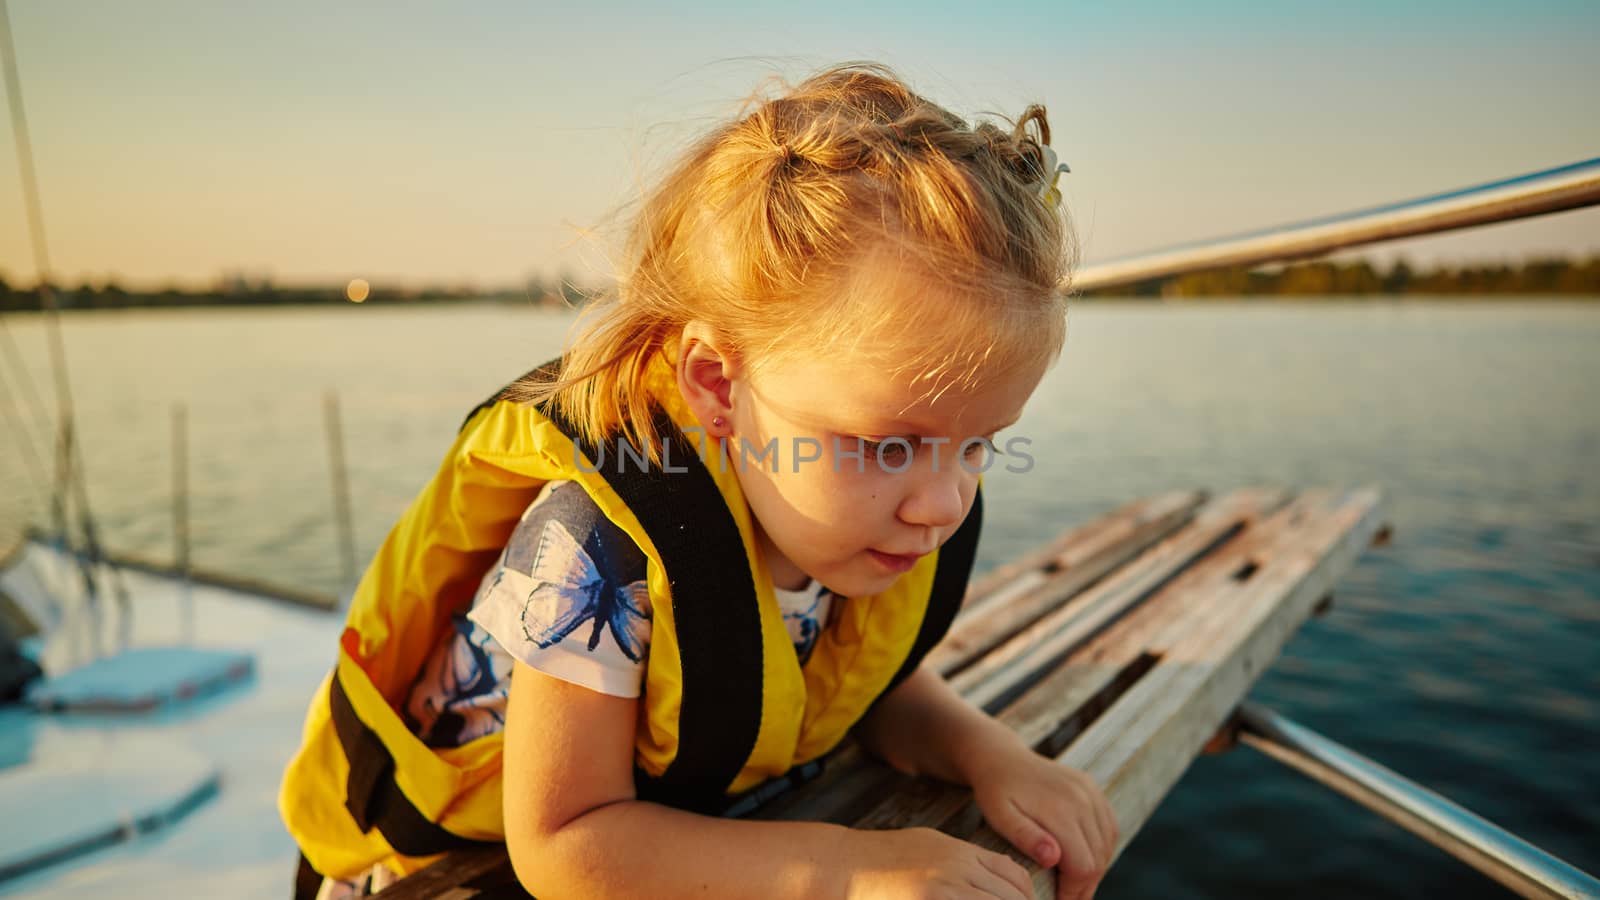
column 1479, row 843
column 1537, row 193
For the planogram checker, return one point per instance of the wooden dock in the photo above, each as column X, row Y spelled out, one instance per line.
column 1122, row 648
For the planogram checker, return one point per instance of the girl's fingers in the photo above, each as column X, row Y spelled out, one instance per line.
column 1079, row 812
column 1103, row 837
column 1105, row 819
column 1080, row 871
column 1087, row 815
column 1006, row 878
column 1027, row 835
column 1108, row 819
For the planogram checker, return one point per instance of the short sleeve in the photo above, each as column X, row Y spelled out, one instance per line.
column 569, row 596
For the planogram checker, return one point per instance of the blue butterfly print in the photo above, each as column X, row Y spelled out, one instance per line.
column 804, row 627
column 470, row 669
column 468, row 687
column 807, row 639
column 570, row 590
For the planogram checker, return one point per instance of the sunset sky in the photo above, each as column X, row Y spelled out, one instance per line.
column 485, row 142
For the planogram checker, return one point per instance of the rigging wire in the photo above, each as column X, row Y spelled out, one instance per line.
column 35, row 214
column 70, row 479
column 26, row 442
column 28, row 453
column 30, row 393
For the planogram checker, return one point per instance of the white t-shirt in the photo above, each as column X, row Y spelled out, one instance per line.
column 567, row 597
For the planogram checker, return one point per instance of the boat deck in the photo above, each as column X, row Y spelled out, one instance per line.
column 165, row 782
column 1121, row 648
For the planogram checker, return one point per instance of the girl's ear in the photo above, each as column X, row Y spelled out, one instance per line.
column 706, row 372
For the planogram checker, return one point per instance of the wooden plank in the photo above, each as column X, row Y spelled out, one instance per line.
column 853, row 783
column 852, row 779
column 1063, row 696
column 1140, row 748
column 1042, row 713
column 1065, row 567
column 1049, row 555
column 456, row 877
column 1072, row 695
column 999, row 675
column 1224, row 617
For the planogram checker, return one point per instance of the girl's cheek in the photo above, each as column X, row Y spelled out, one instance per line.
column 863, row 475
column 845, row 465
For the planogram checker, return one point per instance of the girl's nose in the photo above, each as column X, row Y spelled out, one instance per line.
column 935, row 498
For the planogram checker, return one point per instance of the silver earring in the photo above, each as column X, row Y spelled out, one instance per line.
column 716, row 422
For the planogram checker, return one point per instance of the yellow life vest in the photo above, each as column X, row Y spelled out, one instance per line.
column 726, row 709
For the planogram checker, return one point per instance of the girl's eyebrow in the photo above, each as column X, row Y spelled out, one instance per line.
column 916, row 436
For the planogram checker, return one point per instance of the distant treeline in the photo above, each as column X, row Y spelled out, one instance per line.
column 1353, row 278
column 1361, row 278
column 263, row 292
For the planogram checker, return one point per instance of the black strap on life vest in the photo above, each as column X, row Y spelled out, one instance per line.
column 715, row 606
column 307, row 880
column 717, row 615
column 372, row 796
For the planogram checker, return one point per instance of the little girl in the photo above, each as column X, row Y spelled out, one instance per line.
column 718, row 536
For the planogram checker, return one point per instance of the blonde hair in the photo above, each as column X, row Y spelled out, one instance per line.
column 760, row 229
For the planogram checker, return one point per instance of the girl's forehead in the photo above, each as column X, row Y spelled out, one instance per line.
column 894, row 349
column 858, row 394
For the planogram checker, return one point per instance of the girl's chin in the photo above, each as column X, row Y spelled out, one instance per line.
column 859, row 579
column 860, row 575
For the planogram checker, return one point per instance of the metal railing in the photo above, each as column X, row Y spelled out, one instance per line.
column 1537, row 193
column 1486, row 847
column 1479, row 843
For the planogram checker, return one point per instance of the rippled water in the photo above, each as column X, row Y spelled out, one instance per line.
column 1463, row 655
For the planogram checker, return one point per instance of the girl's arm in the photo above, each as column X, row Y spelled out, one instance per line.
column 574, row 829
column 923, row 727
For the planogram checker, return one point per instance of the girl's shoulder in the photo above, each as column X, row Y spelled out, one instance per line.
column 569, row 595
column 564, row 534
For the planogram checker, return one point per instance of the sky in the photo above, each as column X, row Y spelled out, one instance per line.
column 485, row 143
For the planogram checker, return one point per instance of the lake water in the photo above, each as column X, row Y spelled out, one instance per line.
column 1464, row 655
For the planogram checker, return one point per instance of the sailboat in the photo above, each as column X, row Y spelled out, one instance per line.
column 112, row 674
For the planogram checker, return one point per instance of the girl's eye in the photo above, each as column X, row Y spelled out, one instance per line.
column 977, row 450
column 890, row 454
column 895, row 454
column 980, row 450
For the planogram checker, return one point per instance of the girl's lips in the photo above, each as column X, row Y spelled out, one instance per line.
column 896, row 562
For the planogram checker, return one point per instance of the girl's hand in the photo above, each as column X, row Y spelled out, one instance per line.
column 1056, row 815
column 923, row 864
